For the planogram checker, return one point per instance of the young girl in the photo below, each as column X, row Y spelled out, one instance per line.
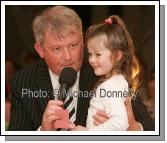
column 111, row 54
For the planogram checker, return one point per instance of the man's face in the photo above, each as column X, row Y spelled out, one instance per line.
column 63, row 52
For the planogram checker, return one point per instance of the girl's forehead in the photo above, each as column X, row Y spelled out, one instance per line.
column 97, row 43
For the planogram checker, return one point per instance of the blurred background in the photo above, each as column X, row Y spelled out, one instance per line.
column 139, row 19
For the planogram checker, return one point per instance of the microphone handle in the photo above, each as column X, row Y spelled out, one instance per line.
column 63, row 91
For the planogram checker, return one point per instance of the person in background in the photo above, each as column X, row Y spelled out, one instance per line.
column 29, row 59
column 10, row 69
column 150, row 101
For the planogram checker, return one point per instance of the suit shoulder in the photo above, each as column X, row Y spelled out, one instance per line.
column 26, row 74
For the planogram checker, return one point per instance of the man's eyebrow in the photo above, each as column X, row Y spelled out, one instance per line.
column 74, row 42
column 77, row 41
column 55, row 46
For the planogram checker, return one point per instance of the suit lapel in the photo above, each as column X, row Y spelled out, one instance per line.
column 86, row 83
column 44, row 84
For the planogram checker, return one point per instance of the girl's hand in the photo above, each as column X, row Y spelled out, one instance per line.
column 79, row 128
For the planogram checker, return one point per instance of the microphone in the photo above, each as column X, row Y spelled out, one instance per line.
column 66, row 79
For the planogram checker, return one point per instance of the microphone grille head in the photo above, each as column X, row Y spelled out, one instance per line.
column 68, row 75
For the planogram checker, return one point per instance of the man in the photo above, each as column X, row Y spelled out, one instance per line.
column 59, row 42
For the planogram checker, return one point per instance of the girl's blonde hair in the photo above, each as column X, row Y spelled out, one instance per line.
column 59, row 20
column 118, row 38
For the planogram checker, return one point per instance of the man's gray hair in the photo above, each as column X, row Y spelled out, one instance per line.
column 59, row 20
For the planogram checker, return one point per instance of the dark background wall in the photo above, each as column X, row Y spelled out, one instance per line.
column 140, row 21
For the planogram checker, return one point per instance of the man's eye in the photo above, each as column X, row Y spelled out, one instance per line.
column 57, row 49
column 75, row 45
column 98, row 54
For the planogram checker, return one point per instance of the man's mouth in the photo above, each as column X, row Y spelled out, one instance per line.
column 67, row 65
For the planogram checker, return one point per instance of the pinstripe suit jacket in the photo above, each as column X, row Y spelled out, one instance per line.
column 27, row 109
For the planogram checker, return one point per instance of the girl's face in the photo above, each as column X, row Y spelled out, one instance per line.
column 100, row 57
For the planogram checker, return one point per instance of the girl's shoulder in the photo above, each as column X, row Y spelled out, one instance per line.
column 117, row 78
column 115, row 81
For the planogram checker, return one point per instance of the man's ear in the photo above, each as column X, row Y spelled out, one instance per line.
column 39, row 49
column 119, row 55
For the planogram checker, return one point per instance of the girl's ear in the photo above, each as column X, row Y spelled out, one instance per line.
column 119, row 55
column 39, row 49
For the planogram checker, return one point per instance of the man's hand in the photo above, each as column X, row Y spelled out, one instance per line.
column 133, row 124
column 50, row 116
column 79, row 128
column 100, row 117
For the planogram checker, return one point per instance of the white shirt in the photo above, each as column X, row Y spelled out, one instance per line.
column 112, row 105
column 74, row 88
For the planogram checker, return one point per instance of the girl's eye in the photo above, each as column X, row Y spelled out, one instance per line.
column 89, row 54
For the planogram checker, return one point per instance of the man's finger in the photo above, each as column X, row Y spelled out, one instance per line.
column 71, row 126
column 53, row 118
column 100, row 119
column 96, row 123
column 55, row 102
column 128, row 100
column 101, row 113
column 128, row 106
column 49, row 112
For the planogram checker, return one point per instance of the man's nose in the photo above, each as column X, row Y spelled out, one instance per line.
column 67, row 54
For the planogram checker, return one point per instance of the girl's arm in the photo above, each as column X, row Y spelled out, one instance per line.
column 118, row 116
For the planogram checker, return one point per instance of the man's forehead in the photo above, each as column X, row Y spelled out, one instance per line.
column 65, row 37
column 63, row 33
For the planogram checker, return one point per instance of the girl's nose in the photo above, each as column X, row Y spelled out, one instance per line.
column 92, row 59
